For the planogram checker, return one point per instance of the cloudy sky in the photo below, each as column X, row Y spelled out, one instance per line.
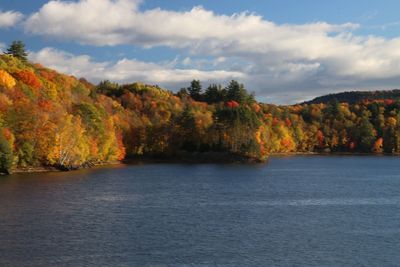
column 285, row 51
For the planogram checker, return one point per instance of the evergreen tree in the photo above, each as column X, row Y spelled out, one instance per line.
column 182, row 93
column 214, row 94
column 367, row 134
column 195, row 90
column 17, row 49
column 238, row 93
column 109, row 88
column 333, row 107
column 389, row 144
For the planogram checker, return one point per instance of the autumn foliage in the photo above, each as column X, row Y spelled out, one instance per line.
column 39, row 124
column 6, row 80
column 232, row 104
column 29, row 78
column 51, row 119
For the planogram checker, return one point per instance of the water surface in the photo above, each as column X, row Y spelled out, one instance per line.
column 295, row 211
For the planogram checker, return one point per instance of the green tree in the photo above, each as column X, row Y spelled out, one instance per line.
column 187, row 130
column 238, row 93
column 17, row 49
column 214, row 94
column 182, row 93
column 367, row 135
column 333, row 108
column 7, row 159
column 195, row 90
column 389, row 144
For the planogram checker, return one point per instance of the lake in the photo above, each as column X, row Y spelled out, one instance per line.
column 293, row 211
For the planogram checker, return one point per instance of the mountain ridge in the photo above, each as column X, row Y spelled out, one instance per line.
column 353, row 97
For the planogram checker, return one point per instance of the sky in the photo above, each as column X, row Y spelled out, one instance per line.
column 285, row 51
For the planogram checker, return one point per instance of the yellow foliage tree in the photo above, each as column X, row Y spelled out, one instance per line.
column 70, row 148
column 6, row 80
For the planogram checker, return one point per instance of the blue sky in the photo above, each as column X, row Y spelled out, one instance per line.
column 285, row 51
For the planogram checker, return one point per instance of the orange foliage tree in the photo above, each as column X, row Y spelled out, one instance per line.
column 29, row 78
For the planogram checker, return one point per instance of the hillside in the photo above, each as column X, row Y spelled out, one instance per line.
column 52, row 119
column 357, row 96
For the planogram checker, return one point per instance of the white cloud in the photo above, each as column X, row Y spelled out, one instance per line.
column 281, row 59
column 10, row 18
column 2, row 47
column 99, row 22
column 108, row 22
column 127, row 70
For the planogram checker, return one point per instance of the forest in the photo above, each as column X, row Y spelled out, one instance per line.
column 357, row 96
column 52, row 119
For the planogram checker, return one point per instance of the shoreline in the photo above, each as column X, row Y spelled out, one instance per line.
column 333, row 154
column 43, row 169
column 216, row 158
column 195, row 158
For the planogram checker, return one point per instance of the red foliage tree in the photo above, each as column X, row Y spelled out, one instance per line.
column 320, row 138
column 388, row 102
column 275, row 121
column 29, row 78
column 7, row 133
column 352, row 145
column 288, row 122
column 232, row 104
column 121, row 147
column 256, row 107
column 45, row 105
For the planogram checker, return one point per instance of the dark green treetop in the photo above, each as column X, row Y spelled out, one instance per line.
column 17, row 49
column 195, row 90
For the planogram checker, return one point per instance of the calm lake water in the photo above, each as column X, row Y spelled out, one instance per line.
column 295, row 211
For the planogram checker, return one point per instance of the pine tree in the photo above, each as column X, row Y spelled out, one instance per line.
column 17, row 49
column 195, row 90
column 237, row 92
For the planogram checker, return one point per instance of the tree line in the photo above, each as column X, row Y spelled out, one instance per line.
column 52, row 119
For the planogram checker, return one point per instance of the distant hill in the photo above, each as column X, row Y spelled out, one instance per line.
column 356, row 96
